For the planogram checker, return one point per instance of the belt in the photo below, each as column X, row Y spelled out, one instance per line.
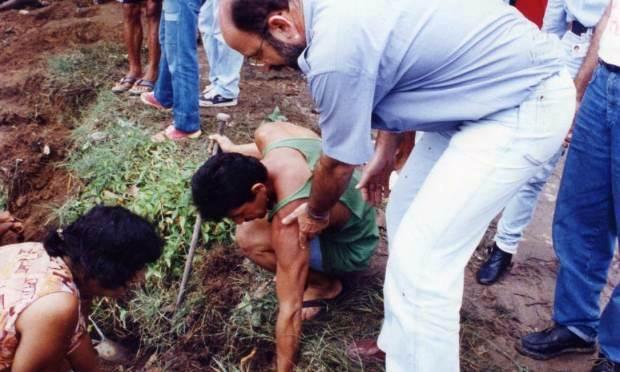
column 610, row 67
column 578, row 29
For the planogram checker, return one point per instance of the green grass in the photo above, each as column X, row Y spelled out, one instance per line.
column 3, row 197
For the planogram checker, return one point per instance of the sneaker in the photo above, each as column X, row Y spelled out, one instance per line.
column 173, row 134
column 216, row 101
column 207, row 89
column 552, row 342
column 603, row 364
column 148, row 98
column 494, row 267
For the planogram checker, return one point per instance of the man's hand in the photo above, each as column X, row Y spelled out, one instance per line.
column 225, row 143
column 375, row 180
column 309, row 225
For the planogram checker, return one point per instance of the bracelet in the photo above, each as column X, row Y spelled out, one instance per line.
column 317, row 216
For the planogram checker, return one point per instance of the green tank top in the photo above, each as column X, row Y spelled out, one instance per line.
column 346, row 249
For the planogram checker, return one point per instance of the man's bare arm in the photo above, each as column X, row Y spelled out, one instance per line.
column 330, row 179
column 591, row 61
column 249, row 149
column 291, row 272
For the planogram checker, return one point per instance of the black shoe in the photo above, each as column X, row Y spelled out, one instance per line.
column 603, row 364
column 552, row 342
column 494, row 267
column 216, row 100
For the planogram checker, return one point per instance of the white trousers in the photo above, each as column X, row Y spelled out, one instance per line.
column 452, row 186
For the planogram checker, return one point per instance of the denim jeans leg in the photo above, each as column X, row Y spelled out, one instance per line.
column 163, row 85
column 609, row 333
column 224, row 62
column 181, row 52
column 520, row 210
column 584, row 226
column 609, row 336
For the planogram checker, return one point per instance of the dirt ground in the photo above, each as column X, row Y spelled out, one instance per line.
column 34, row 140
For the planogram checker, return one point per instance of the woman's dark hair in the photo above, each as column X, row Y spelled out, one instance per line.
column 224, row 182
column 251, row 15
column 111, row 244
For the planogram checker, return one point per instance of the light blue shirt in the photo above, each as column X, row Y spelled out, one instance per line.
column 560, row 12
column 404, row 65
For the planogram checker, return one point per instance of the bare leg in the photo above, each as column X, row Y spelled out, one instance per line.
column 153, row 14
column 320, row 287
column 254, row 240
column 133, row 37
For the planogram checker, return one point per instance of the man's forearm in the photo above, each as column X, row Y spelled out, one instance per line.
column 288, row 331
column 329, row 181
column 591, row 61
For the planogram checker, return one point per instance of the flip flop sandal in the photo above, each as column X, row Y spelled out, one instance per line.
column 124, row 84
column 142, row 86
column 172, row 134
column 324, row 304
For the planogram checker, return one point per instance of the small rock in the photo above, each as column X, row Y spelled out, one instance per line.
column 46, row 150
column 24, row 12
column 98, row 136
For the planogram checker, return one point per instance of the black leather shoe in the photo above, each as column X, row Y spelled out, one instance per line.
column 552, row 342
column 603, row 364
column 494, row 267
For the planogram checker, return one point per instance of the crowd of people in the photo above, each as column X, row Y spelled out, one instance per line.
column 496, row 102
column 171, row 80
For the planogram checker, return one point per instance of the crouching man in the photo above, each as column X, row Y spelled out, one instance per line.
column 258, row 184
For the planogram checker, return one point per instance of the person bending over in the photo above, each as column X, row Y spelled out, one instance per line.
column 46, row 288
column 259, row 183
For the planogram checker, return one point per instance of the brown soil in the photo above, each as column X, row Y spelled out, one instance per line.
column 33, row 136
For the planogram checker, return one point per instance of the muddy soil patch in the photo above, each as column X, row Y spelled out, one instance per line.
column 35, row 115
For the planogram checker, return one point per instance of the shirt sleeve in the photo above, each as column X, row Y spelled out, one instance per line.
column 554, row 21
column 345, row 102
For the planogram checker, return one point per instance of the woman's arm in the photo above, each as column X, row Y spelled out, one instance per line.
column 45, row 330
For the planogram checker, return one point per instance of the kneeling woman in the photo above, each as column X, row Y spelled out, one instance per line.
column 45, row 288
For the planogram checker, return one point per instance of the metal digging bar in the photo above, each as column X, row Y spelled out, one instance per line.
column 222, row 122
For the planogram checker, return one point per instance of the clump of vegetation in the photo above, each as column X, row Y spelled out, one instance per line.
column 3, row 197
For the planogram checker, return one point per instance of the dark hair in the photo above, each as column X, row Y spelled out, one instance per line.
column 111, row 244
column 251, row 15
column 224, row 182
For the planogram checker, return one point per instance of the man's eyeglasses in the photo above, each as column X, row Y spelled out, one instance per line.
column 257, row 57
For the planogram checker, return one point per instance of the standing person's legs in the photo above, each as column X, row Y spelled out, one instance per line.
column 609, row 335
column 224, row 62
column 584, row 227
column 519, row 211
column 181, row 52
column 153, row 15
column 163, row 87
column 132, row 32
column 484, row 163
column 206, row 23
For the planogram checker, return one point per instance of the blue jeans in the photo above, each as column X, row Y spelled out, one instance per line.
column 520, row 210
column 224, row 62
column 178, row 85
column 585, row 227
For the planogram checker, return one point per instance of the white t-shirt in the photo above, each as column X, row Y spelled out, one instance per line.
column 609, row 50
